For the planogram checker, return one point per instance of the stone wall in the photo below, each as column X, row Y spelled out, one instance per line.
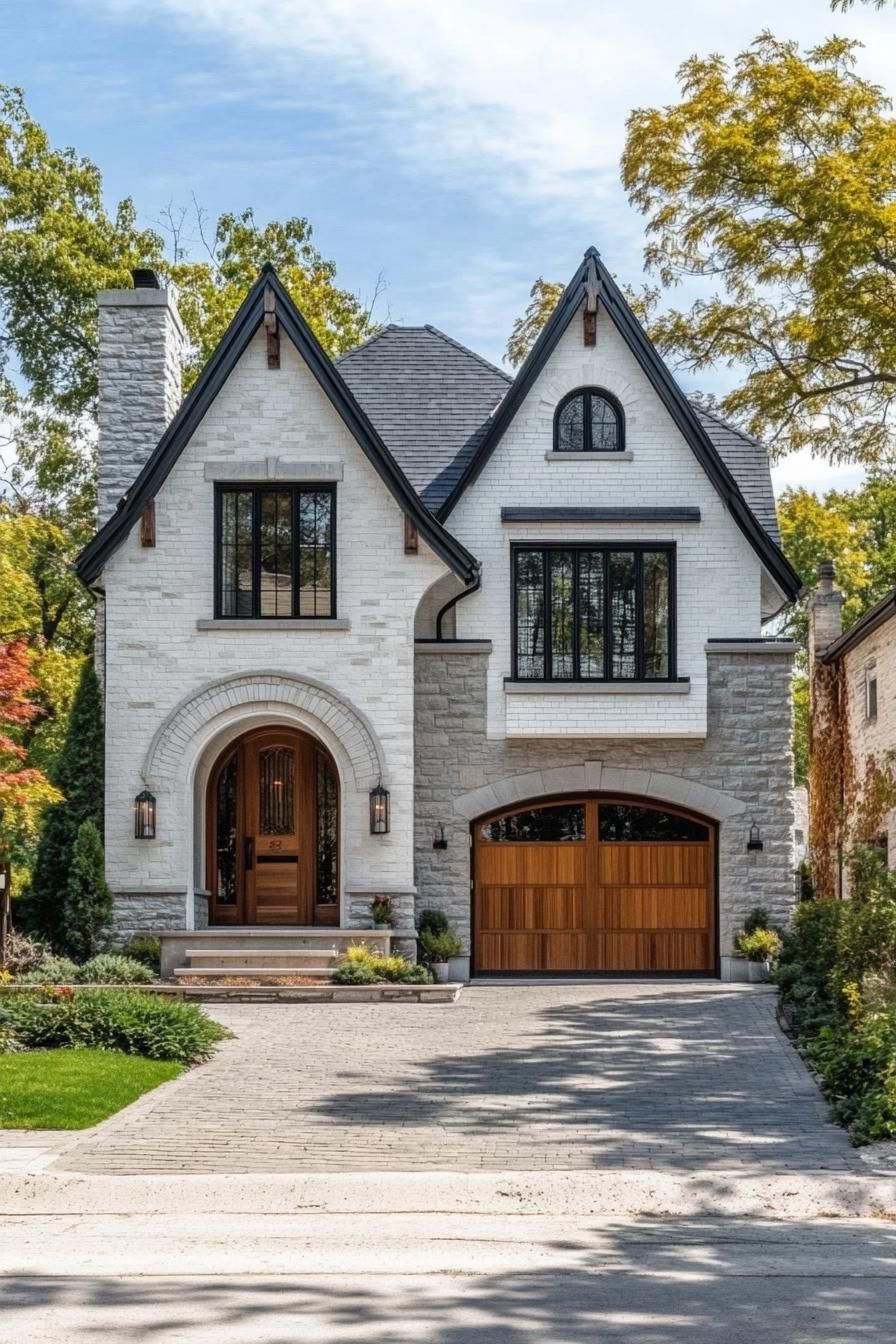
column 148, row 913
column 746, row 755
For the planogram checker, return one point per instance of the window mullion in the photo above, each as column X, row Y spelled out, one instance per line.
column 256, row 553
column 294, row 543
column 548, row 623
column 576, row 663
column 608, row 617
column 587, row 443
column 639, row 616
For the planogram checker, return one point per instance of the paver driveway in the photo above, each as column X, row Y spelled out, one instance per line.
column 680, row 1077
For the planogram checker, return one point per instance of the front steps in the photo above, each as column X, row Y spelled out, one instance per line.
column 262, row 953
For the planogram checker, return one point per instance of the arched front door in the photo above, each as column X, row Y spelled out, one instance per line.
column 594, row 884
column 273, row 832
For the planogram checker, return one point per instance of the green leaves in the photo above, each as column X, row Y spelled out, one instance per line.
column 774, row 178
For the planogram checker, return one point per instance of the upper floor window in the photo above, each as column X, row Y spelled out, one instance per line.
column 870, row 692
column 587, row 613
column 589, row 420
column 275, row 551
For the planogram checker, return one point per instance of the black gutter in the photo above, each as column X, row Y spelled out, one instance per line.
column 452, row 602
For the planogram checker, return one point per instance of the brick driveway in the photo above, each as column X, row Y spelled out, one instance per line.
column 679, row 1077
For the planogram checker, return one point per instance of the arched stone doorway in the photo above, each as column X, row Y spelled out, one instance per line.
column 594, row 884
column 272, row 831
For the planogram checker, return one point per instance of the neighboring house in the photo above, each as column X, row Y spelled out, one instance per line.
column 400, row 625
column 853, row 683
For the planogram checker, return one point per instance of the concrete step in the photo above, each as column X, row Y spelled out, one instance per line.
column 255, row 972
column 262, row 956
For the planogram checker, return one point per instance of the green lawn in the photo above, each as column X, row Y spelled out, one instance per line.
column 71, row 1089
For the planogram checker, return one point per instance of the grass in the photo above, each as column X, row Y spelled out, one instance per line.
column 72, row 1089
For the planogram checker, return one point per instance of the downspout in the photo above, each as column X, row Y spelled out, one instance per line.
column 452, row 602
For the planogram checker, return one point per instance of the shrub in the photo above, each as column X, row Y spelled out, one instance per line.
column 756, row 919
column 857, row 1063
column 381, row 910
column 439, row 946
column 111, row 968
column 23, row 953
column 51, row 971
column 361, row 966
column 354, row 973
column 145, row 947
column 760, row 945
column 87, row 909
column 127, row 1020
column 432, row 921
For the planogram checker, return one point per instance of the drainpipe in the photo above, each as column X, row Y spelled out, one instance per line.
column 467, row 592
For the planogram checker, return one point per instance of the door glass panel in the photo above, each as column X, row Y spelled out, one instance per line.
column 530, row 615
column 656, row 613
column 236, row 553
column 315, row 576
column 591, row 615
column 276, row 553
column 623, row 614
column 571, row 426
column 604, row 426
column 225, row 835
column 566, row 822
column 327, row 831
column 276, row 803
column 562, row 617
column 621, row 821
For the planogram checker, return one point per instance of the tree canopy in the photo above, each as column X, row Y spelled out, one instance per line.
column 773, row 178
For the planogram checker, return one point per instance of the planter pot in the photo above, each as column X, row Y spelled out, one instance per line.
column 458, row 969
column 760, row 972
column 440, row 971
column 735, row 970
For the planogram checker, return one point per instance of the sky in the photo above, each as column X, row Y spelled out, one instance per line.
column 451, row 151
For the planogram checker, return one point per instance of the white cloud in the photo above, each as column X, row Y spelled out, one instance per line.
column 527, row 99
column 814, row 473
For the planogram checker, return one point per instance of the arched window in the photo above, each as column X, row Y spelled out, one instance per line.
column 589, row 420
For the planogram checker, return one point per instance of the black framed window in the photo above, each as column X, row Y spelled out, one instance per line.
column 275, row 551
column 593, row 613
column 589, row 420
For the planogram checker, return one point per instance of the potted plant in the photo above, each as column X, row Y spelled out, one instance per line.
column 761, row 947
column 438, row 949
column 381, row 911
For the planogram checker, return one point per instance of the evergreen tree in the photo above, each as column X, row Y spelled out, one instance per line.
column 78, row 774
column 87, row 909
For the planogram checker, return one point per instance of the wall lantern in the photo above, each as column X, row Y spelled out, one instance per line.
column 145, row 816
column 379, row 810
column 438, row 838
column 755, row 838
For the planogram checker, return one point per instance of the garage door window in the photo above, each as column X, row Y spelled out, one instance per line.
column 618, row 821
column 539, row 824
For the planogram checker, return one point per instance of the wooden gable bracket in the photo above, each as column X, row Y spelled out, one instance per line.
column 272, row 327
column 148, row 524
column 411, row 539
column 592, row 291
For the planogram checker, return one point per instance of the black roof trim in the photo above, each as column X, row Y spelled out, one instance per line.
column 670, row 394
column 550, row 514
column 195, row 405
column 875, row 617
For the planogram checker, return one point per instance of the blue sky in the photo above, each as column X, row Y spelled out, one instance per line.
column 457, row 150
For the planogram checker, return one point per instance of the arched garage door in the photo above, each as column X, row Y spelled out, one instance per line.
column 593, row 884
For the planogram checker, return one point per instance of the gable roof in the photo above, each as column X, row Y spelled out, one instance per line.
column 430, row 399
column 197, row 402
column 872, row 620
column 593, row 274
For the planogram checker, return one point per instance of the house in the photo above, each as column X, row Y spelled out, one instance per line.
column 399, row 625
column 853, row 700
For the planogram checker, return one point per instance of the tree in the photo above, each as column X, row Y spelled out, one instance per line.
column 23, row 788
column 774, row 177
column 78, row 774
column 543, row 299
column 87, row 911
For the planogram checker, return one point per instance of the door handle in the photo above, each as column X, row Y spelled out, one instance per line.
column 249, row 853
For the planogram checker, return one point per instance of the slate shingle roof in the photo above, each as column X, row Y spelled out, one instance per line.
column 430, row 399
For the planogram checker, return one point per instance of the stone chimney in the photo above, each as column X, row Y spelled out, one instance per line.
column 825, row 612
column 141, row 340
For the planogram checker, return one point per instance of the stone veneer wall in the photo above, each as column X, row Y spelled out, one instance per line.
column 147, row 913
column 747, row 754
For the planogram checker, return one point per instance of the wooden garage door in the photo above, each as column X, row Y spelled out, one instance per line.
column 593, row 885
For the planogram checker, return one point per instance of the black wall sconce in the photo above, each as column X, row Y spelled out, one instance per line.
column 754, row 840
column 438, row 838
column 379, row 810
column 145, row 816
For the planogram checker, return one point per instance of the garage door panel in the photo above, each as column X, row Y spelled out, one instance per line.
column 619, row 951
column 530, row 865
column 509, row 952
column 682, row 952
column 638, row 863
column 648, row 908
column 531, row 908
column 565, row 952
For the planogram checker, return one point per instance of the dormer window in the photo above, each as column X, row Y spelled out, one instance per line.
column 589, row 420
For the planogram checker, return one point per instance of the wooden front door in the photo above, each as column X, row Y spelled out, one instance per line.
column 273, row 832
column 591, row 885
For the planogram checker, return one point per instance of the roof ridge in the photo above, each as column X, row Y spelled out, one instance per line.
column 465, row 349
column 375, row 336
